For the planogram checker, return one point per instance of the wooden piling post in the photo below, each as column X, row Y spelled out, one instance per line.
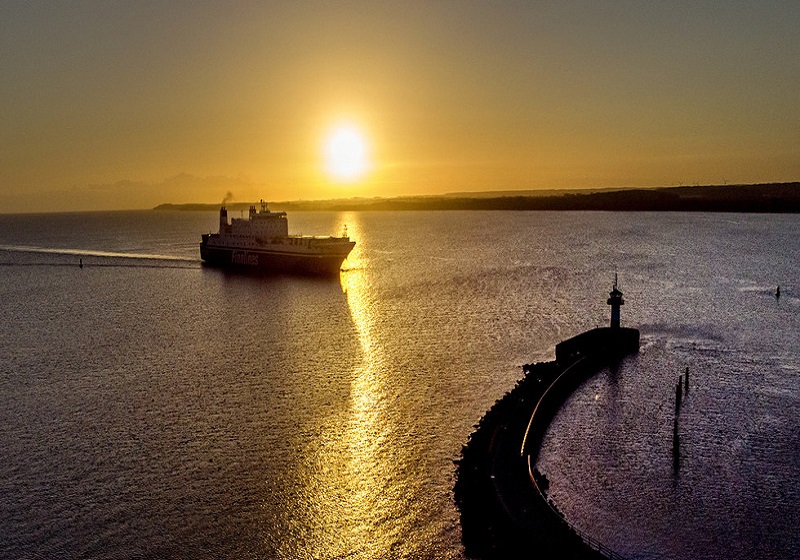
column 676, row 445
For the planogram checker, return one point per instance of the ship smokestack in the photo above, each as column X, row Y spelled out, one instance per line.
column 223, row 219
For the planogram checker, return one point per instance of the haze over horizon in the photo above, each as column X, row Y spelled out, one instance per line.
column 122, row 106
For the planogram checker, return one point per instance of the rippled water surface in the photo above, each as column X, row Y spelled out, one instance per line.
column 151, row 407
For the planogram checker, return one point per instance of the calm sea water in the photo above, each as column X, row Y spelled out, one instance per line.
column 150, row 407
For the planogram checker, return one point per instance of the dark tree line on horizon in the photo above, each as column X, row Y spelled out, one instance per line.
column 760, row 198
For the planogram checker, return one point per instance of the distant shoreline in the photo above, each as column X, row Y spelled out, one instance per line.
column 757, row 198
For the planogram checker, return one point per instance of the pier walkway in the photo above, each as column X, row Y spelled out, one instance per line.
column 504, row 508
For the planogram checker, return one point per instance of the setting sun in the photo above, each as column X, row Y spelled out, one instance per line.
column 345, row 153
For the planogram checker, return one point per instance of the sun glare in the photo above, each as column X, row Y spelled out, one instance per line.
column 346, row 153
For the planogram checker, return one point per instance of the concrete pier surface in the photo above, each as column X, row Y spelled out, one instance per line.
column 505, row 512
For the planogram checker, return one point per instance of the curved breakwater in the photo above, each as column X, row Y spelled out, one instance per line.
column 505, row 512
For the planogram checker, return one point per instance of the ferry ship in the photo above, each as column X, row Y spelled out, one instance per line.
column 261, row 243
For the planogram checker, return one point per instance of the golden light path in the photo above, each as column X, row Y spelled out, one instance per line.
column 353, row 480
column 370, row 425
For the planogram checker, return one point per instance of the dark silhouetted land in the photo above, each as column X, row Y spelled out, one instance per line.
column 762, row 198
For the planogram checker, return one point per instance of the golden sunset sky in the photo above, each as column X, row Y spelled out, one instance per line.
column 116, row 105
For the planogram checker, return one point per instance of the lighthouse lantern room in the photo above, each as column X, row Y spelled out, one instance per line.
column 615, row 301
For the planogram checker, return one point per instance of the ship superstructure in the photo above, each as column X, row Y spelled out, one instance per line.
column 262, row 243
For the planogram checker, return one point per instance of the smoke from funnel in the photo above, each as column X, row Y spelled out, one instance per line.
column 227, row 198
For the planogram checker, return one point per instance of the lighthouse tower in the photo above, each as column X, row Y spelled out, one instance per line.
column 615, row 300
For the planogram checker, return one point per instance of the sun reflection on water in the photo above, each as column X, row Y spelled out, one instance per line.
column 351, row 487
column 369, row 424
